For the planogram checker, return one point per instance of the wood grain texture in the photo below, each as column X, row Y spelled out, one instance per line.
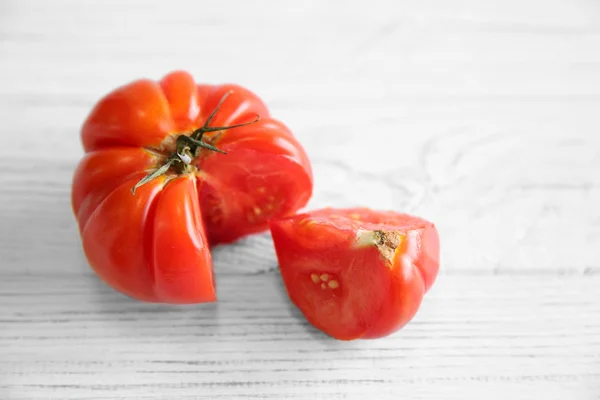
column 480, row 335
column 481, row 116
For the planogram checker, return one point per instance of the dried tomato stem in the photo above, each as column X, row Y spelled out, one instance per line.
column 188, row 147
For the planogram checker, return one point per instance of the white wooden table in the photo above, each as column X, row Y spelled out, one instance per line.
column 483, row 116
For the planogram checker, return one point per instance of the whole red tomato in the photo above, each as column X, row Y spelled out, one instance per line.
column 154, row 189
column 356, row 273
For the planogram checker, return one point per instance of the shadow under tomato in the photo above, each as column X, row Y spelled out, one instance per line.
column 130, row 318
column 134, row 317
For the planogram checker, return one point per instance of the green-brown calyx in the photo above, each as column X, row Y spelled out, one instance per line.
column 188, row 147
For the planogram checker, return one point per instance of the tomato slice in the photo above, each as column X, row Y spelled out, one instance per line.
column 356, row 273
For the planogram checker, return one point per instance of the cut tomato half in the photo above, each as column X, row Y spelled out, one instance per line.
column 154, row 190
column 356, row 273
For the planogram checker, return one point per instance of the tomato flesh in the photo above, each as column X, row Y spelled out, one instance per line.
column 356, row 273
column 249, row 186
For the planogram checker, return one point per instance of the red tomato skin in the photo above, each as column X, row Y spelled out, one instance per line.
column 136, row 115
column 182, row 95
column 101, row 172
column 405, row 292
column 116, row 250
column 386, row 290
column 178, row 277
column 155, row 245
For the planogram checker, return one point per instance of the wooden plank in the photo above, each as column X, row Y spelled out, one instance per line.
column 498, row 336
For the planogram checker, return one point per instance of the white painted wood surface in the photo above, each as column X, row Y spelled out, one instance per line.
column 482, row 116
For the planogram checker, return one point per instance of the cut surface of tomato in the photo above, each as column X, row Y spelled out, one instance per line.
column 163, row 140
column 356, row 273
